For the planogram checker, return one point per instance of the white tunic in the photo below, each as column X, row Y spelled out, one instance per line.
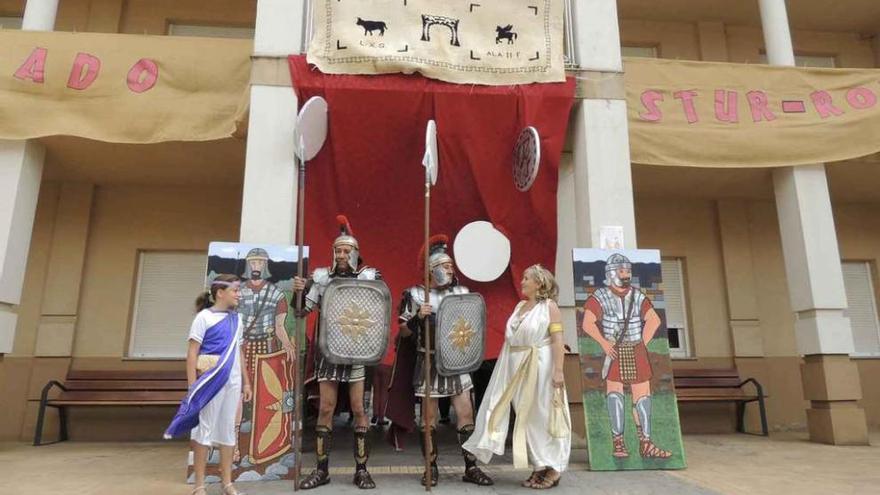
column 524, row 371
column 217, row 419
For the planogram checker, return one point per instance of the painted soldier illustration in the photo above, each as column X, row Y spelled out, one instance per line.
column 263, row 309
column 622, row 320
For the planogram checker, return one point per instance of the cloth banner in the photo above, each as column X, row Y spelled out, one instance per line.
column 370, row 169
column 460, row 41
column 704, row 114
column 121, row 88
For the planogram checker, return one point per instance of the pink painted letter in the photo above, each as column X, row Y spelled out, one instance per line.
column 758, row 105
column 861, row 98
column 824, row 105
column 687, row 102
column 34, row 68
column 650, row 99
column 79, row 80
column 143, row 75
column 726, row 106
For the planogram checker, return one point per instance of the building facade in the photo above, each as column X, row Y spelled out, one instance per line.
column 773, row 271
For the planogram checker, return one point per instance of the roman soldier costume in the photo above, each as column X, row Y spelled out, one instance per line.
column 324, row 370
column 441, row 385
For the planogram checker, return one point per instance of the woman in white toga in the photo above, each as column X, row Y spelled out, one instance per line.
column 528, row 376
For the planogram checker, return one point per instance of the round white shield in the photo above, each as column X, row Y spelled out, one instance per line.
column 431, row 161
column 526, row 158
column 311, row 128
column 482, row 253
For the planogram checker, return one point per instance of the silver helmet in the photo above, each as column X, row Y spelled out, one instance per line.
column 346, row 238
column 256, row 254
column 615, row 262
column 438, row 255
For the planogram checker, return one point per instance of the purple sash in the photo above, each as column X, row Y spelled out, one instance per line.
column 218, row 340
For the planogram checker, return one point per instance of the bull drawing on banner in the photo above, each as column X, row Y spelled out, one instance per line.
column 505, row 33
column 370, row 26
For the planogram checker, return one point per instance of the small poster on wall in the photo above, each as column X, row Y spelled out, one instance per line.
column 629, row 397
column 265, row 449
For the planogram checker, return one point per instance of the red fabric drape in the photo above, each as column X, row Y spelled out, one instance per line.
column 370, row 170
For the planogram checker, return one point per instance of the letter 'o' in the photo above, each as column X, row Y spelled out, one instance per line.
column 143, row 75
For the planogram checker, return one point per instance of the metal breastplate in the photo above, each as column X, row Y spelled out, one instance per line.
column 322, row 277
column 259, row 326
column 435, row 297
column 613, row 315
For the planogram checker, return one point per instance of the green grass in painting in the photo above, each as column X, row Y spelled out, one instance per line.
column 665, row 434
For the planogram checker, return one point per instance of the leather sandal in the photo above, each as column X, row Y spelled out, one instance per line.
column 535, row 476
column 316, row 478
column 476, row 476
column 545, row 482
column 363, row 480
column 229, row 489
column 435, row 473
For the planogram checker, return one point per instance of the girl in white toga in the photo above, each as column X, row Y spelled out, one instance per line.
column 217, row 381
column 528, row 376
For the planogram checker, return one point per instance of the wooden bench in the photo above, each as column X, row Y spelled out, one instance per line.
column 720, row 385
column 109, row 388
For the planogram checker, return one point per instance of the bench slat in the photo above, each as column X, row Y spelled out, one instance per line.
column 126, row 375
column 113, row 403
column 126, row 385
column 714, row 399
column 732, row 382
column 128, row 396
column 705, row 373
column 712, row 392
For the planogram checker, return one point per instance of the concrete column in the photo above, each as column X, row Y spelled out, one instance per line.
column 603, row 176
column 67, row 254
column 713, row 41
column 742, row 302
column 105, row 16
column 21, row 168
column 39, row 15
column 270, row 178
column 876, row 50
column 815, row 280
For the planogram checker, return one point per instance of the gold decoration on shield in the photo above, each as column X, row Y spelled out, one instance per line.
column 355, row 321
column 462, row 334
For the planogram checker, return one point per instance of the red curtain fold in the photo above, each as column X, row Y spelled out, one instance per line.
column 370, row 170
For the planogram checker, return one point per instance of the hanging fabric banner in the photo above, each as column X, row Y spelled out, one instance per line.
column 459, row 41
column 704, row 114
column 121, row 88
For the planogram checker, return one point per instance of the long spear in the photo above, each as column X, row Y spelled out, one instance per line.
column 311, row 125
column 426, row 406
column 431, row 165
column 300, row 318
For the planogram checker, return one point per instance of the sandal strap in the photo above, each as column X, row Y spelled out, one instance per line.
column 544, row 482
column 478, row 475
column 314, row 479
column 363, row 479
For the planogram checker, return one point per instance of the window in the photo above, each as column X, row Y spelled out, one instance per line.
column 862, row 311
column 809, row 61
column 210, row 31
column 167, row 286
column 10, row 22
column 639, row 51
column 676, row 307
